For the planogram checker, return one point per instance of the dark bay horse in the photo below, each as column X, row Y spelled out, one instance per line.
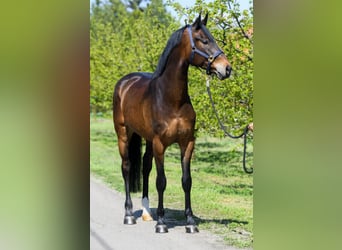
column 157, row 107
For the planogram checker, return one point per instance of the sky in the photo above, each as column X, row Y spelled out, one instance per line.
column 244, row 4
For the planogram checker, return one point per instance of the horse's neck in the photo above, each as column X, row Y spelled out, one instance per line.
column 174, row 80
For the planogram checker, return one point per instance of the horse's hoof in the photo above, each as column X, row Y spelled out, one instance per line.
column 191, row 229
column 129, row 220
column 161, row 228
column 147, row 217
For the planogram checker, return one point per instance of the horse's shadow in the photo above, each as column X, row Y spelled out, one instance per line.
column 176, row 218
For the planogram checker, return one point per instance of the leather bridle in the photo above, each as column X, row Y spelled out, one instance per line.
column 210, row 58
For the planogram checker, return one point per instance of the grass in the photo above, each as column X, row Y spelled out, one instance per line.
column 222, row 194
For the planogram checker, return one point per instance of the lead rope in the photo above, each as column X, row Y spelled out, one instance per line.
column 244, row 134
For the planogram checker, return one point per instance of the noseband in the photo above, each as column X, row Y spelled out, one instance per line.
column 210, row 58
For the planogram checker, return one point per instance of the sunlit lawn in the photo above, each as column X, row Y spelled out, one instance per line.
column 222, row 194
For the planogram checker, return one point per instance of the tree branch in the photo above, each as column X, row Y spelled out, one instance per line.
column 238, row 23
column 241, row 52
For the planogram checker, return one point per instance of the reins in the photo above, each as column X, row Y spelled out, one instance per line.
column 211, row 59
column 244, row 134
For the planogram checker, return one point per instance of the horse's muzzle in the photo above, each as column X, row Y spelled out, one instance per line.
column 224, row 73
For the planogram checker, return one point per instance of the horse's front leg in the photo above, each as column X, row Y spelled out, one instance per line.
column 158, row 153
column 186, row 152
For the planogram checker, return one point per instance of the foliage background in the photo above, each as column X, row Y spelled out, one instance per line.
column 129, row 36
column 45, row 108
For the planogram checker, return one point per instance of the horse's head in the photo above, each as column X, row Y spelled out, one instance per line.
column 205, row 53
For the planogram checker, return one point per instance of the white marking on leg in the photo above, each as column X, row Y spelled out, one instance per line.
column 147, row 214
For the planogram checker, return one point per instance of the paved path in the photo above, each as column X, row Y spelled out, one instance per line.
column 107, row 230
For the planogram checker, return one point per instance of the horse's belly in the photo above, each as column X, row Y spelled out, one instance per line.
column 136, row 122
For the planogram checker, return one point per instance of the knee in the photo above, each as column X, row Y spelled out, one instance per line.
column 186, row 182
column 161, row 183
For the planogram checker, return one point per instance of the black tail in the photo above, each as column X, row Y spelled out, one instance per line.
column 134, row 154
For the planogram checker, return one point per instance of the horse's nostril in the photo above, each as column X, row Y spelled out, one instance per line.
column 229, row 70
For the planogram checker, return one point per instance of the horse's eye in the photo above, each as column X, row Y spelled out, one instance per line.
column 204, row 41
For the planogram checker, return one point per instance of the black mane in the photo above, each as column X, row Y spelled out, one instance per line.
column 173, row 41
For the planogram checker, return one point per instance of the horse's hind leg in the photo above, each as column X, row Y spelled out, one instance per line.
column 186, row 152
column 125, row 167
column 147, row 166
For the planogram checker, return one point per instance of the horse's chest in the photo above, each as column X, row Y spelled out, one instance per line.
column 178, row 128
column 176, row 125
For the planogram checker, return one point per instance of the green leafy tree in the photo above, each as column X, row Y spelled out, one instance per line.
column 125, row 39
column 233, row 31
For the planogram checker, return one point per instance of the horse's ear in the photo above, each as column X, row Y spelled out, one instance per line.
column 204, row 21
column 197, row 23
